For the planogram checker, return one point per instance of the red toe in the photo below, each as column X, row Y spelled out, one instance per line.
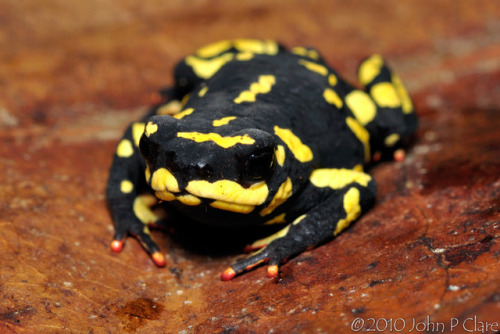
column 117, row 245
column 228, row 274
column 159, row 259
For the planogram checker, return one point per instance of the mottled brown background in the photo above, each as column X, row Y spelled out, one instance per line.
column 73, row 74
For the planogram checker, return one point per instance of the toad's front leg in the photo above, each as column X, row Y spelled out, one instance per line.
column 346, row 194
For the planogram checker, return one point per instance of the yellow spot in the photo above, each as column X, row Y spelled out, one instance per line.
column 266, row 241
column 302, row 51
column 171, row 108
column 361, row 133
column 352, row 209
column 362, row 106
column 214, row 49
column 223, row 121
column 320, row 69
column 406, row 103
column 137, row 131
column 151, row 128
column 142, row 209
column 224, row 142
column 244, row 56
column 206, row 68
column 203, row 91
column 391, row 140
column 256, row 46
column 385, row 95
column 184, row 113
column 280, row 155
column 147, row 174
column 229, row 191
column 369, row 69
column 124, row 149
column 185, row 99
column 262, row 86
column 189, row 200
column 126, row 186
column 165, row 195
column 358, row 168
column 332, row 80
column 233, row 207
column 337, row 178
column 163, row 180
column 301, row 152
column 283, row 193
column 332, row 97
column 279, row 219
column 299, row 219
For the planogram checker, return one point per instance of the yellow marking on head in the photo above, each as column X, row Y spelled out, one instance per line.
column 165, row 195
column 184, row 100
column 256, row 46
column 124, row 149
column 189, row 199
column 240, row 208
column 369, row 69
column 280, row 155
column 362, row 106
column 361, row 133
column 320, row 69
column 147, row 174
column 229, row 191
column 244, row 56
column 332, row 80
column 223, row 121
column 184, row 113
column 224, row 142
column 142, row 211
column 126, row 186
column 352, row 209
column 163, row 180
column 279, row 219
column 406, row 103
column 150, row 129
column 203, row 91
column 337, row 178
column 301, row 151
column 214, row 49
column 385, row 95
column 299, row 219
column 391, row 140
column 283, row 193
column 137, row 131
column 262, row 86
column 266, row 241
column 171, row 108
column 206, row 68
column 332, row 97
column 302, row 51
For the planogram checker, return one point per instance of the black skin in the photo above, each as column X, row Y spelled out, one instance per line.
column 295, row 102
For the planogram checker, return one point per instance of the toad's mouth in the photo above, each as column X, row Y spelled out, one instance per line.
column 226, row 194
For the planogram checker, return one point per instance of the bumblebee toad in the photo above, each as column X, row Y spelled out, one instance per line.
column 254, row 134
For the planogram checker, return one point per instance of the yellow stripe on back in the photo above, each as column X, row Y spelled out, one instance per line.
column 338, row 178
column 262, row 86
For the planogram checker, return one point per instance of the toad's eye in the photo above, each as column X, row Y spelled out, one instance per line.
column 258, row 165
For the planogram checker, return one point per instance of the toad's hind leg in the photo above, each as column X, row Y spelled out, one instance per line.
column 342, row 204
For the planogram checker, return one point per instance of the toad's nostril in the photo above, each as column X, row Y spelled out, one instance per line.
column 204, row 171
